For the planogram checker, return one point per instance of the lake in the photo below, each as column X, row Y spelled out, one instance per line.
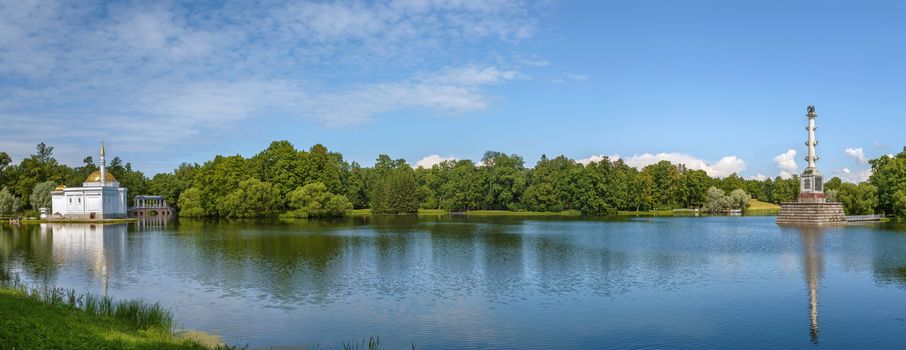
column 493, row 283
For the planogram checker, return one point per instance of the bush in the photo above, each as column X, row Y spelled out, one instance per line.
column 314, row 201
column 9, row 203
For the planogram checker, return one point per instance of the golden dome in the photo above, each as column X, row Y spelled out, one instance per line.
column 96, row 177
column 60, row 187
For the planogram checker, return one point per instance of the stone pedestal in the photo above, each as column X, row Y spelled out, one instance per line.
column 799, row 213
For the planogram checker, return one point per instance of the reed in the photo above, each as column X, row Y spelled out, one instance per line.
column 134, row 311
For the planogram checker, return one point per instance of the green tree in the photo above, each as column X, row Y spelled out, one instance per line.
column 5, row 161
column 716, row 200
column 693, row 187
column 40, row 197
column 252, row 198
column 134, row 180
column 281, row 165
column 464, row 189
column 899, row 205
column 172, row 185
column 785, row 190
column 666, row 179
column 643, row 191
column 356, row 189
column 397, row 193
column 505, row 178
column 858, row 199
column 739, row 199
column 833, row 184
column 9, row 203
column 314, row 201
column 217, row 178
column 888, row 176
column 550, row 188
column 189, row 203
column 320, row 165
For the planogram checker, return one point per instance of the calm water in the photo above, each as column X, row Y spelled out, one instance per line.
column 739, row 282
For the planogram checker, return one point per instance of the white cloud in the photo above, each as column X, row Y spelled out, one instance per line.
column 471, row 75
column 759, row 177
column 857, row 154
column 722, row 168
column 130, row 68
column 432, row 160
column 848, row 175
column 786, row 163
column 597, row 158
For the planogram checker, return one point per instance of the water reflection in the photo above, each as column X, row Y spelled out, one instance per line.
column 502, row 283
column 813, row 266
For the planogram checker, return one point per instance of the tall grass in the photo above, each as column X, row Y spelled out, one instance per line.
column 371, row 343
column 133, row 311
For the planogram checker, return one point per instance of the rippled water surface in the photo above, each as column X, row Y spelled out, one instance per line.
column 727, row 282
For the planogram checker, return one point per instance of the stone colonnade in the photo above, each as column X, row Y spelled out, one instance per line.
column 150, row 202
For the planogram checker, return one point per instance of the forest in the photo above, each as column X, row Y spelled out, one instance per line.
column 283, row 180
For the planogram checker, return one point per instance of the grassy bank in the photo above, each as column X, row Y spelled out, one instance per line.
column 756, row 207
column 649, row 213
column 31, row 324
column 57, row 318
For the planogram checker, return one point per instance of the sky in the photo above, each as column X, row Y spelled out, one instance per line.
column 717, row 85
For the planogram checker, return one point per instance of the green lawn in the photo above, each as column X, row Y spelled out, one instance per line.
column 647, row 213
column 757, row 207
column 26, row 323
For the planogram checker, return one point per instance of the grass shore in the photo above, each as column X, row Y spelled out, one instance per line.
column 56, row 318
column 756, row 207
column 28, row 323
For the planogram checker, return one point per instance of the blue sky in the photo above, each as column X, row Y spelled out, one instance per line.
column 718, row 85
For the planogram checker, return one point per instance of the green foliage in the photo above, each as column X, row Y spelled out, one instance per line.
column 739, row 199
column 172, row 185
column 40, row 197
column 498, row 182
column 716, row 200
column 833, row 184
column 397, row 192
column 858, row 199
column 9, row 203
column 190, row 203
column 899, row 205
column 785, row 190
column 505, row 180
column 888, row 176
column 314, row 201
column 251, row 199
column 356, row 190
column 134, row 180
column 693, row 187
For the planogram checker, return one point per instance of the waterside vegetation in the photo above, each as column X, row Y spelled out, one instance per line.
column 41, row 317
column 284, row 181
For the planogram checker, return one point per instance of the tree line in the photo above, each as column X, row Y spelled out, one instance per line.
column 283, row 180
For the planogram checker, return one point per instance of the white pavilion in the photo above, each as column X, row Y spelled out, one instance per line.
column 100, row 197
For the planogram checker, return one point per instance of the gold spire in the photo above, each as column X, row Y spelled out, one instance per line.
column 102, row 148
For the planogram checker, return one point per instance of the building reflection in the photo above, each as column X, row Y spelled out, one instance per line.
column 154, row 221
column 94, row 247
column 813, row 266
